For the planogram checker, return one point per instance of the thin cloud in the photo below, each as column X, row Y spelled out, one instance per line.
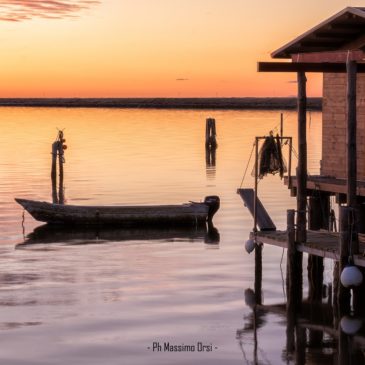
column 182, row 79
column 19, row 10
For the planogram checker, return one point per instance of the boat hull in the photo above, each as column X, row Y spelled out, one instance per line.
column 122, row 216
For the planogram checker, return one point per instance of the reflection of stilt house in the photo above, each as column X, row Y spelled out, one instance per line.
column 336, row 48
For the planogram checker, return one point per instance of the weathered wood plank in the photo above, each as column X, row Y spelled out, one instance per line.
column 264, row 221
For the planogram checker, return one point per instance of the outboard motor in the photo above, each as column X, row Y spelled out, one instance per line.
column 213, row 203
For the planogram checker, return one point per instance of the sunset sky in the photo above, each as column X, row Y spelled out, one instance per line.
column 151, row 48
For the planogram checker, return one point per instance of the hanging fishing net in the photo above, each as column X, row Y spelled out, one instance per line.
column 270, row 158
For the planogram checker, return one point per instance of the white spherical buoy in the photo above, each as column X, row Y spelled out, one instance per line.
column 250, row 245
column 350, row 325
column 250, row 299
column 351, row 276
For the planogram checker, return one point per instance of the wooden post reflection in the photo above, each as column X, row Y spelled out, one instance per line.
column 258, row 274
column 210, row 160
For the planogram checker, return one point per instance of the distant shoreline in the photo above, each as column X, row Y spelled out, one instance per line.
column 163, row 103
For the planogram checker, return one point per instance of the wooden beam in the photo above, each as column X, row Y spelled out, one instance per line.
column 332, row 57
column 306, row 67
column 302, row 158
column 330, row 185
column 321, row 43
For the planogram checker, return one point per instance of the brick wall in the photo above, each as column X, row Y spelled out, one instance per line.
column 334, row 126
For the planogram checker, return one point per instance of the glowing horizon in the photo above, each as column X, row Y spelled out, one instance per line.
column 150, row 48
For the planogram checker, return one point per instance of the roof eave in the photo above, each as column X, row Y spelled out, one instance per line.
column 281, row 52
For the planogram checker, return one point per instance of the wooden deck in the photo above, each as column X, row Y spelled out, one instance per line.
column 319, row 243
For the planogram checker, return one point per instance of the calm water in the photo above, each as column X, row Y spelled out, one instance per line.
column 94, row 299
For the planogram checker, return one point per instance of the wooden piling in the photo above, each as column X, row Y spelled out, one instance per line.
column 293, row 281
column 318, row 211
column 58, row 150
column 302, row 159
column 256, row 184
column 315, row 278
column 344, row 293
column 61, row 160
column 351, row 133
column 294, row 266
column 54, row 172
column 210, row 133
column 300, row 335
column 336, row 290
column 281, row 124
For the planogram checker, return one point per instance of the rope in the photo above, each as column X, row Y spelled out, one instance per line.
column 248, row 163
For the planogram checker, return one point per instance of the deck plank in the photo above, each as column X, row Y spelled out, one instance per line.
column 319, row 243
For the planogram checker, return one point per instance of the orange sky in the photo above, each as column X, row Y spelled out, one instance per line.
column 151, row 48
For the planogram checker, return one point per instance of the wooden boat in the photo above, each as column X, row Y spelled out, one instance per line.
column 190, row 214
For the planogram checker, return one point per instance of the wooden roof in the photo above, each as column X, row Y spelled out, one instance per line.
column 343, row 31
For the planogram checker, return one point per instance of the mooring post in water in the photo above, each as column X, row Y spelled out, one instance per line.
column 210, row 133
column 301, row 342
column 54, row 172
column 290, row 274
column 61, row 161
column 318, row 213
column 281, row 124
column 294, row 265
column 58, row 148
column 336, row 284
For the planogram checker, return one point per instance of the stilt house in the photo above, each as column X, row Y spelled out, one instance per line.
column 335, row 48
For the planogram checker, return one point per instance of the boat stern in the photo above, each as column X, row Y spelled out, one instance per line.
column 213, row 203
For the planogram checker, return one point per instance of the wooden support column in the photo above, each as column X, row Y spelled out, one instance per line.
column 302, row 159
column 294, row 282
column 336, row 290
column 344, row 293
column 351, row 134
column 300, row 335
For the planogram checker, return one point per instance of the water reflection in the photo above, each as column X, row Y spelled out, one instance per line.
column 316, row 340
column 96, row 235
column 15, row 325
column 210, row 160
column 313, row 332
